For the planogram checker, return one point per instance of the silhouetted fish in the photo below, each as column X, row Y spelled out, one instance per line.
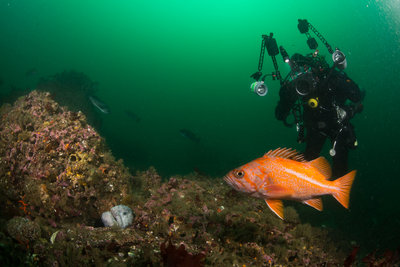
column 199, row 172
column 31, row 72
column 189, row 135
column 99, row 104
column 132, row 115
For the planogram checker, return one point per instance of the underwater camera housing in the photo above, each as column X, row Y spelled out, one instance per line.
column 305, row 82
column 305, row 72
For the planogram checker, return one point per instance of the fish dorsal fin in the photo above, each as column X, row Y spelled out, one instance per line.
column 322, row 165
column 276, row 206
column 286, row 153
column 316, row 203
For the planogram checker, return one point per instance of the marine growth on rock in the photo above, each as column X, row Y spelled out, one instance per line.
column 54, row 165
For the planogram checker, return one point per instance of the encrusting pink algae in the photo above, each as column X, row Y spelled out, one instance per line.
column 57, row 177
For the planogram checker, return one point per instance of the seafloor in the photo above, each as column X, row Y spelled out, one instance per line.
column 57, row 177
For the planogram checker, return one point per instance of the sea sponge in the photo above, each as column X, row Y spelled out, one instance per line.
column 120, row 215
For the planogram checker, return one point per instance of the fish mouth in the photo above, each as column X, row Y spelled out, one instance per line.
column 227, row 179
column 230, row 181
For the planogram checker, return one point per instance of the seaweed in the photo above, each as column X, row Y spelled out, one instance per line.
column 388, row 258
column 179, row 257
column 352, row 257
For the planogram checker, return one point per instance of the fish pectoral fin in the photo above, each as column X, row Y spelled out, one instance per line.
column 276, row 206
column 316, row 203
column 277, row 191
column 322, row 165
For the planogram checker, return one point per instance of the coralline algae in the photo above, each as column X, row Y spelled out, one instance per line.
column 120, row 215
column 53, row 160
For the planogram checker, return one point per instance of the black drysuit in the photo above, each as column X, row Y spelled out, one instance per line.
column 332, row 91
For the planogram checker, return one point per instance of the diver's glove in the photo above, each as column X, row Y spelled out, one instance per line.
column 358, row 108
column 352, row 110
column 280, row 114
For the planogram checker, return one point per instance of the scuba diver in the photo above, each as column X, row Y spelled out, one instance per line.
column 322, row 92
column 318, row 97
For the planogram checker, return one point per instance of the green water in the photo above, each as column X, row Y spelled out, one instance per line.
column 186, row 64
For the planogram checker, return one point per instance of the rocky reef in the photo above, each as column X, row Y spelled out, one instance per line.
column 69, row 88
column 57, row 177
column 73, row 89
column 54, row 165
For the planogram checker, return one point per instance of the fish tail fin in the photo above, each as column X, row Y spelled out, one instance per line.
column 343, row 187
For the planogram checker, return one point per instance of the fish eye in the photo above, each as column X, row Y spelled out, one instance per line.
column 238, row 173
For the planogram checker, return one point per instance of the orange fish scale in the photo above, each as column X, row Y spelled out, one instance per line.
column 304, row 180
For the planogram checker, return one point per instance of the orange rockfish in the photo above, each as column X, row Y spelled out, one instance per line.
column 285, row 174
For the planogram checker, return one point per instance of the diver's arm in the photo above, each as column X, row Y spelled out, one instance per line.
column 286, row 102
column 353, row 93
column 349, row 88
